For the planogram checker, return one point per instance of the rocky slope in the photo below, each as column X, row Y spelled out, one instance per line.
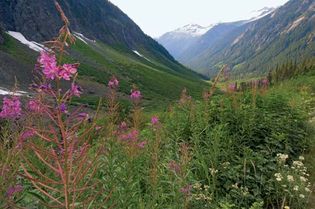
column 96, row 19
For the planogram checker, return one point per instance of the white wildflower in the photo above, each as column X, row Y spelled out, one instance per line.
column 213, row 171
column 235, row 186
column 278, row 176
column 307, row 189
column 282, row 157
column 297, row 164
column 290, row 178
column 303, row 179
column 302, row 196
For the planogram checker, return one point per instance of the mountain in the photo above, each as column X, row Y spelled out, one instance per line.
column 257, row 14
column 254, row 46
column 179, row 40
column 108, row 42
column 191, row 30
column 288, row 33
column 185, row 42
column 207, row 40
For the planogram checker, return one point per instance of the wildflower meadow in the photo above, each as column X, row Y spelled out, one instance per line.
column 236, row 148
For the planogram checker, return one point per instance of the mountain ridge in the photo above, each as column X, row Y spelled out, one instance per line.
column 108, row 43
column 252, row 47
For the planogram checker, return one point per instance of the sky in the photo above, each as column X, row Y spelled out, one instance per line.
column 156, row 17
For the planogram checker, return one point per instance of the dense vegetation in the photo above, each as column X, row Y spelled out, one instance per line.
column 234, row 150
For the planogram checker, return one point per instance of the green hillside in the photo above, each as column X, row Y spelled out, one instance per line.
column 160, row 83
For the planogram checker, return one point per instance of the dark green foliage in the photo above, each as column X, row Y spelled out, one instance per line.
column 291, row 70
column 240, row 136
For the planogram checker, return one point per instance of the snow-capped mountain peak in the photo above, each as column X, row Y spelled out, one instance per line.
column 193, row 29
column 257, row 14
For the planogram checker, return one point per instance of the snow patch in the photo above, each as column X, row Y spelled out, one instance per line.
column 4, row 91
column 140, row 55
column 31, row 44
column 81, row 37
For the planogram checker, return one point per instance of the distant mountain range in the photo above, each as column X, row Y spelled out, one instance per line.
column 250, row 47
column 108, row 42
column 181, row 39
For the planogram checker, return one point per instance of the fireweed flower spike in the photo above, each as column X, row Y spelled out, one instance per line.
column 34, row 106
column 154, row 120
column 75, row 90
column 123, row 126
column 11, row 108
column 142, row 144
column 135, row 95
column 51, row 70
column 49, row 65
column 113, row 83
column 67, row 71
column 232, row 87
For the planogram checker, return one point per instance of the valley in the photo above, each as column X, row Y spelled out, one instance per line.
column 94, row 113
column 250, row 47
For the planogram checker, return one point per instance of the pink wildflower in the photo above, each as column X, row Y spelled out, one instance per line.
column 75, row 90
column 135, row 95
column 27, row 134
column 67, row 71
column 142, row 144
column 14, row 189
column 24, row 136
column 132, row 136
column 63, row 108
column 123, row 126
column 113, row 83
column 83, row 116
column 49, row 64
column 97, row 128
column 186, row 190
column 232, row 87
column 173, row 166
column 34, row 106
column 154, row 120
column 265, row 82
column 11, row 108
